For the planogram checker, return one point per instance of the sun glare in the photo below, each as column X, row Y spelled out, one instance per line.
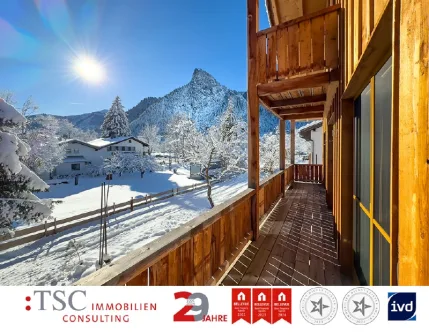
column 89, row 69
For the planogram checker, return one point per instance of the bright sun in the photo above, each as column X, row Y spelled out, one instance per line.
column 89, row 69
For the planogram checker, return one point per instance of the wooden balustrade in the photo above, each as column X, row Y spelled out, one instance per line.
column 289, row 175
column 307, row 44
column 269, row 192
column 311, row 173
column 196, row 253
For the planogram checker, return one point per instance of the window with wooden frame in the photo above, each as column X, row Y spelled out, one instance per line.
column 372, row 181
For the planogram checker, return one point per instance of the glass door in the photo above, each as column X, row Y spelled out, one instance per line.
column 372, row 158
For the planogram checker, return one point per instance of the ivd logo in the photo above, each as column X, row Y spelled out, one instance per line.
column 402, row 306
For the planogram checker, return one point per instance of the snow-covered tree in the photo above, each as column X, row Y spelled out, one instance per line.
column 17, row 181
column 179, row 131
column 269, row 150
column 225, row 141
column 129, row 162
column 115, row 121
column 28, row 108
column 150, row 135
column 67, row 131
column 46, row 152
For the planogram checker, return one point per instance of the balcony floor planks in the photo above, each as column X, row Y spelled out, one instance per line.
column 296, row 245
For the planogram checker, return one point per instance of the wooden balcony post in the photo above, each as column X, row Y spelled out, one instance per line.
column 282, row 154
column 292, row 143
column 345, row 218
column 410, row 105
column 253, row 111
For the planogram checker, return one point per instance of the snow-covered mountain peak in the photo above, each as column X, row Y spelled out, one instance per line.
column 203, row 79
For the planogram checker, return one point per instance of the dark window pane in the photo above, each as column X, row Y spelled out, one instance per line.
column 381, row 260
column 362, row 243
column 365, row 147
column 382, row 135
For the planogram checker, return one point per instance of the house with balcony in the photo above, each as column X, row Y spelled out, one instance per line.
column 83, row 156
column 361, row 216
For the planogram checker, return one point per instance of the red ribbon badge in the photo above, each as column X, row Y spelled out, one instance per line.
column 262, row 306
column 282, row 304
column 241, row 308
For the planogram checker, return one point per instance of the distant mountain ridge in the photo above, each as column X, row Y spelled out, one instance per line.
column 203, row 99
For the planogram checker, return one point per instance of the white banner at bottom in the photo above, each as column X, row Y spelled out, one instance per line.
column 134, row 309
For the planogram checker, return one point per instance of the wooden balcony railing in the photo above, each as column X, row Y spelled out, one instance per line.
column 306, row 44
column 200, row 251
column 269, row 192
column 312, row 173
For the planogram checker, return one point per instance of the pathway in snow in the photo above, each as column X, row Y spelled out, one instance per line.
column 53, row 261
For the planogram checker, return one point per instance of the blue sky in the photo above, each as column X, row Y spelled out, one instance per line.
column 148, row 48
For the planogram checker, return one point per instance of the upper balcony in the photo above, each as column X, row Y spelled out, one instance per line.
column 297, row 62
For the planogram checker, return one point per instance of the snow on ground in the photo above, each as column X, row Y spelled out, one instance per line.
column 85, row 197
column 51, row 261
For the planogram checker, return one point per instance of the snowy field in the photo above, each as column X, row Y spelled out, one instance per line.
column 85, row 197
column 53, row 261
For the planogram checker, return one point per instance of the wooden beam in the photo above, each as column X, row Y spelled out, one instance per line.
column 301, row 82
column 253, row 111
column 298, row 101
column 292, row 113
column 305, row 117
column 315, row 108
column 282, row 129
column 266, row 103
column 375, row 55
column 413, row 149
column 346, row 188
column 292, row 142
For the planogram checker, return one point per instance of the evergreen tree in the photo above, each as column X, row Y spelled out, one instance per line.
column 115, row 122
column 17, row 181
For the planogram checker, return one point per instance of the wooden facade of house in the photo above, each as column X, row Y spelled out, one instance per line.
column 362, row 67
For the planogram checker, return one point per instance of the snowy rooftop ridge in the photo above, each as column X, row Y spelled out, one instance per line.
column 310, row 126
column 104, row 142
column 101, row 142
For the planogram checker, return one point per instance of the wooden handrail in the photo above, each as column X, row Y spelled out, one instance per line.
column 300, row 19
column 269, row 178
column 131, row 265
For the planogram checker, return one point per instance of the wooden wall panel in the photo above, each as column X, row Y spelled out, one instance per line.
column 272, row 56
column 357, row 32
column 331, row 24
column 379, row 6
column 262, row 59
column 282, row 53
column 318, row 42
column 293, row 49
column 305, row 46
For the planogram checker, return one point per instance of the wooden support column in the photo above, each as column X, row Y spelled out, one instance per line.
column 292, row 144
column 253, row 111
column 413, row 138
column 345, row 216
column 282, row 153
column 329, row 166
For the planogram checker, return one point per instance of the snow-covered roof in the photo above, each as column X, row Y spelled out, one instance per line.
column 74, row 159
column 310, row 126
column 102, row 142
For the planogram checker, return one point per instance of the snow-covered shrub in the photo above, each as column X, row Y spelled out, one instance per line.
column 17, row 181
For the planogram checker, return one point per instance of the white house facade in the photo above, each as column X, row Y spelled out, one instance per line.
column 81, row 157
column 313, row 133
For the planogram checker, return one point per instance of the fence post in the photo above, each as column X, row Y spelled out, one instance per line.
column 114, row 208
column 46, row 229
column 132, row 204
column 55, row 225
